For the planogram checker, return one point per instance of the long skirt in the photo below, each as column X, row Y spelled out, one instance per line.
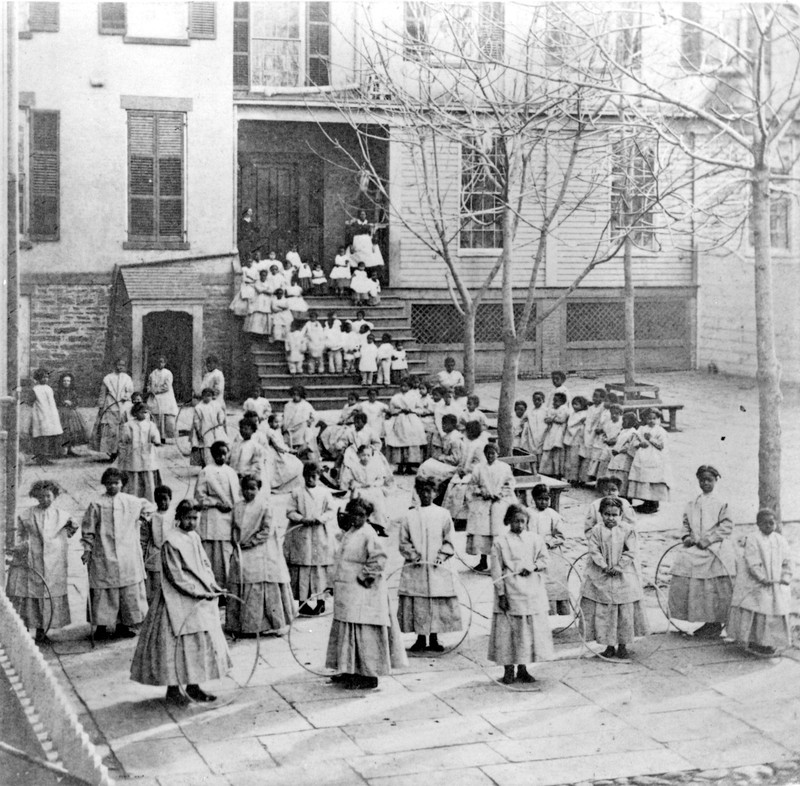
column 47, row 446
column 479, row 544
column 143, row 484
column 572, row 463
column 766, row 630
column 552, row 462
column 268, row 607
column 556, row 581
column 368, row 650
column 163, row 658
column 308, row 580
column 407, row 454
column 613, row 623
column 258, row 322
column 113, row 605
column 152, row 584
column 35, row 612
column 700, row 600
column 424, row 616
column 655, row 492
column 106, row 433
column 165, row 425
column 455, row 500
column 219, row 555
column 519, row 639
column 76, row 432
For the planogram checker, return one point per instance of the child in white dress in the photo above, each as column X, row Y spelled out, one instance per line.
column 340, row 274
column 319, row 284
column 573, row 441
column 385, row 352
column 368, row 363
column 535, row 427
column 650, row 477
column 553, row 442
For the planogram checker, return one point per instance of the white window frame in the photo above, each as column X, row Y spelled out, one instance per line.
column 465, row 251
column 652, row 229
column 302, row 40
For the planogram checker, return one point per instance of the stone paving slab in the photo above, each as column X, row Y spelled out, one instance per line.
column 248, row 754
column 334, row 773
column 558, row 721
column 702, row 725
column 294, row 747
column 161, row 758
column 732, row 750
column 461, row 777
column 585, row 768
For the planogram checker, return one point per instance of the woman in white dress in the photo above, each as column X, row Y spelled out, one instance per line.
column 161, row 399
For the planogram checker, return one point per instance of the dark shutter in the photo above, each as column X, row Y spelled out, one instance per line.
column 112, row 19
column 202, row 20
column 155, row 181
column 44, row 176
column 491, row 30
column 319, row 44
column 241, row 45
column 43, row 17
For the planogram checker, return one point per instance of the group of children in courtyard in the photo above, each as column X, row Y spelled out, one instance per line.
column 169, row 569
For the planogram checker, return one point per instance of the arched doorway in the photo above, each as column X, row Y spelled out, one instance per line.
column 169, row 333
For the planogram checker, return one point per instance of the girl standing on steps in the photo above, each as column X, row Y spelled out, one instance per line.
column 703, row 570
column 520, row 630
column 611, row 594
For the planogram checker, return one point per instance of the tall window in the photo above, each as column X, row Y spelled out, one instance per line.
column 156, row 177
column 448, row 32
column 287, row 44
column 39, row 184
column 780, row 209
column 633, row 191
column 691, row 36
column 482, row 167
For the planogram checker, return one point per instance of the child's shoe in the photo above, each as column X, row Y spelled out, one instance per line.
column 523, row 675
column 608, row 652
column 622, row 652
column 433, row 644
column 418, row 645
column 508, row 677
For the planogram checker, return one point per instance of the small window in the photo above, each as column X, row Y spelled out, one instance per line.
column 482, row 176
column 44, row 184
column 202, row 20
column 156, row 177
column 112, row 19
column 43, row 17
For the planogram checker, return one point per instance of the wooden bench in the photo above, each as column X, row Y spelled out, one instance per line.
column 671, row 409
column 525, row 480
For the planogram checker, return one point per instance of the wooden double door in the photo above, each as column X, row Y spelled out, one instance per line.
column 288, row 197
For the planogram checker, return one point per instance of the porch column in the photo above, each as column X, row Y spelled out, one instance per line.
column 395, row 199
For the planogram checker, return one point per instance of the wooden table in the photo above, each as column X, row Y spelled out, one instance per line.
column 525, row 480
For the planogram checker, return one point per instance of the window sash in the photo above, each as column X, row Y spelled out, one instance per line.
column 632, row 209
column 156, row 176
column 481, row 197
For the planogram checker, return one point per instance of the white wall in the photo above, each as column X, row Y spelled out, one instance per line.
column 58, row 67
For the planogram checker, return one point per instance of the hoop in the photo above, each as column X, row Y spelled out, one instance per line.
column 25, row 566
column 572, row 568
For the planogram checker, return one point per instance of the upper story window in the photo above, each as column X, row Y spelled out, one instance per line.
column 482, row 167
column 156, row 179
column 162, row 23
column 449, row 32
column 634, row 188
column 37, row 18
column 39, row 174
column 281, row 44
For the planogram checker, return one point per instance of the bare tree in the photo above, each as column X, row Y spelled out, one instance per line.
column 721, row 84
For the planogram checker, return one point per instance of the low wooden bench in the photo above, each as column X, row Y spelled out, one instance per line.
column 525, row 480
column 671, row 410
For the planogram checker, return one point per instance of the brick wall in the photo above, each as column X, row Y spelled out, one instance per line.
column 68, row 322
column 727, row 319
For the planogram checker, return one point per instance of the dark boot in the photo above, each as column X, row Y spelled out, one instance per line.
column 482, row 566
column 175, row 697
column 508, row 675
column 622, row 652
column 523, row 675
column 419, row 645
column 101, row 633
column 433, row 644
column 124, row 632
column 198, row 694
column 608, row 652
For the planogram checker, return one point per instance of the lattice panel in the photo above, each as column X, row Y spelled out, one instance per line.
column 656, row 320
column 442, row 324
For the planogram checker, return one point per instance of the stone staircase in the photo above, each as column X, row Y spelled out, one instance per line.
column 329, row 391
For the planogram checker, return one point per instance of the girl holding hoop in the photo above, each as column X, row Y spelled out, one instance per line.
column 181, row 638
column 702, row 573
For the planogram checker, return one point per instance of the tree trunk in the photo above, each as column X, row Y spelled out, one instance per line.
column 512, row 349
column 769, row 372
column 469, row 346
column 630, row 319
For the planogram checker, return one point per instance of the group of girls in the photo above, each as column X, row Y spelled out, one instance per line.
column 582, row 441
column 352, row 273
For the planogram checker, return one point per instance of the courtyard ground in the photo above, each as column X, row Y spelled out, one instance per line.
column 681, row 710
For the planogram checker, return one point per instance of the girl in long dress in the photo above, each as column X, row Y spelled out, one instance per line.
column 161, row 399
column 489, row 493
column 427, row 600
column 365, row 640
column 573, row 440
column 114, row 405
column 298, row 420
column 405, row 434
column 240, row 305
column 310, row 542
column 258, row 573
column 284, row 469
column 76, row 432
column 214, row 380
column 112, row 552
column 701, row 585
column 181, row 640
column 208, row 427
column 761, row 603
column 553, row 443
column 153, row 533
column 281, row 316
column 455, row 499
column 650, row 476
column 137, row 456
column 520, row 633
column 259, row 312
column 248, row 455
column 611, row 594
column 314, row 337
column 368, row 478
column 593, row 414
column 356, row 435
column 46, row 428
column 424, row 409
column 41, row 544
column 548, row 524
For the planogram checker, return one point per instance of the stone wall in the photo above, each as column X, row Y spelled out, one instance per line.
column 727, row 316
column 68, row 326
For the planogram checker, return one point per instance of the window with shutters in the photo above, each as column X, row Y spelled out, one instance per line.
column 43, row 186
column 202, row 20
column 37, row 18
column 112, row 19
column 281, row 44
column 156, row 177
column 451, row 33
column 482, row 168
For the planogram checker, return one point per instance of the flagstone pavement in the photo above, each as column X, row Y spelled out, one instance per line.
column 681, row 710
